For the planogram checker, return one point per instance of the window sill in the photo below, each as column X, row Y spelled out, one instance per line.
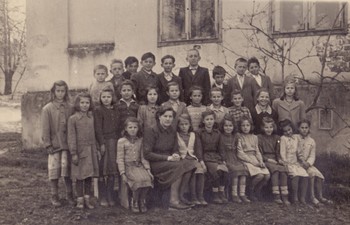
column 309, row 33
column 192, row 41
column 82, row 50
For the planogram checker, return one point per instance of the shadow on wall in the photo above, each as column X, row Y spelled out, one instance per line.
column 31, row 106
column 328, row 128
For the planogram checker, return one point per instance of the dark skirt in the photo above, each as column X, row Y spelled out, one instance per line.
column 167, row 172
column 108, row 164
column 237, row 169
column 199, row 168
column 214, row 167
column 273, row 167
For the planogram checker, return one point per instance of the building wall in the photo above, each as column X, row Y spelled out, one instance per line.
column 52, row 29
column 54, row 26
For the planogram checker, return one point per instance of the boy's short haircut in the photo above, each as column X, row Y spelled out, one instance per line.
column 218, row 70
column 101, row 67
column 216, row 89
column 130, row 60
column 236, row 92
column 168, row 57
column 195, row 88
column 253, row 60
column 172, row 83
column 193, row 49
column 126, row 83
column 240, row 60
column 116, row 61
column 148, row 55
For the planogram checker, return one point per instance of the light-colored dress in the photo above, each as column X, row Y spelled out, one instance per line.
column 196, row 115
column 187, row 143
column 248, row 152
column 290, row 153
column 82, row 142
column 308, row 150
column 131, row 162
column 219, row 113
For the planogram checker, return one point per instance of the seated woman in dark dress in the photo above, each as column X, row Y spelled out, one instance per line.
column 162, row 150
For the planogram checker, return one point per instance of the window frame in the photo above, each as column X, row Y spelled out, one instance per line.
column 189, row 40
column 275, row 18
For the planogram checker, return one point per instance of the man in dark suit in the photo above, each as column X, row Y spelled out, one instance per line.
column 243, row 83
column 195, row 75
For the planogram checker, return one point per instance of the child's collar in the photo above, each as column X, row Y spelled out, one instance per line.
column 193, row 67
column 259, row 109
column 83, row 114
column 214, row 108
column 170, row 74
column 177, row 101
column 108, row 107
column 196, row 105
column 127, row 102
column 148, row 72
column 207, row 130
column 219, row 85
column 58, row 103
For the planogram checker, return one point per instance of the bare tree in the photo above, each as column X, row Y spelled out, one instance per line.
column 254, row 27
column 12, row 43
column 278, row 49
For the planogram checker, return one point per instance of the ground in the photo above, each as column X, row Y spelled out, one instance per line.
column 24, row 195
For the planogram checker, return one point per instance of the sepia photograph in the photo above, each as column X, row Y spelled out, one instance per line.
column 174, row 112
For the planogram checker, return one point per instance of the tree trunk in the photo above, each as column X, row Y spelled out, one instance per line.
column 8, row 83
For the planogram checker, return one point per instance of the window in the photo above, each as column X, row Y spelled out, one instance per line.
column 188, row 20
column 304, row 18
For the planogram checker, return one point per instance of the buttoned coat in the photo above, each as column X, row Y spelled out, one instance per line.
column 200, row 78
column 294, row 111
column 142, row 80
column 82, row 142
column 54, row 131
column 227, row 95
column 248, row 89
column 265, row 83
column 163, row 85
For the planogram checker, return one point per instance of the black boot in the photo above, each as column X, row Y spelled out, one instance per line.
column 216, row 198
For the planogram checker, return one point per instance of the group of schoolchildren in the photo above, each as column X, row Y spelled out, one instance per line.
column 230, row 128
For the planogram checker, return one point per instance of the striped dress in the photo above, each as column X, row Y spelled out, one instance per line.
column 196, row 115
